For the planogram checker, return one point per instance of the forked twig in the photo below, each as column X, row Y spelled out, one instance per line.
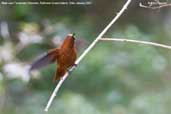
column 137, row 42
column 86, row 52
column 159, row 5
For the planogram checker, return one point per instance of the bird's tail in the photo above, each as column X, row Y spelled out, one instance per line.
column 59, row 73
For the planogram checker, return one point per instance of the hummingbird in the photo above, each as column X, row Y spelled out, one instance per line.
column 65, row 57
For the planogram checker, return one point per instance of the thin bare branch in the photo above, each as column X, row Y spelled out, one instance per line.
column 137, row 42
column 86, row 52
column 155, row 6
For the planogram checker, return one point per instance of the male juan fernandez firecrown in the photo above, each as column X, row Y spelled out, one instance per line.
column 65, row 57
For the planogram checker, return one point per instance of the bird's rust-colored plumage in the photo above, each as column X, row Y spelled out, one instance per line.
column 65, row 57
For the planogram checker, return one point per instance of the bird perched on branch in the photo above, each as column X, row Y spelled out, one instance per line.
column 65, row 56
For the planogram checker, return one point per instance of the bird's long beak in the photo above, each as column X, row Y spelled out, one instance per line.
column 73, row 34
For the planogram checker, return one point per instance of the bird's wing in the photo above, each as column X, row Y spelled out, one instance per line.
column 45, row 60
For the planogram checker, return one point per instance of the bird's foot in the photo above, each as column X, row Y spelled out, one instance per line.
column 69, row 71
column 75, row 65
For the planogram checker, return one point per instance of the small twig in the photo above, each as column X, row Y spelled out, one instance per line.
column 86, row 52
column 159, row 5
column 137, row 41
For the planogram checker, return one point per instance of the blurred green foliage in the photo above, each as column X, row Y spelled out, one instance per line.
column 115, row 77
